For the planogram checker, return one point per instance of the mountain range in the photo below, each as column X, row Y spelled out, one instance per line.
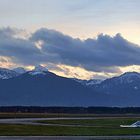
column 41, row 87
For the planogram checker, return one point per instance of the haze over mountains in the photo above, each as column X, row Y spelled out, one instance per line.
column 40, row 87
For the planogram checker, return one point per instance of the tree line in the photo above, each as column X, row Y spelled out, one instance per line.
column 71, row 110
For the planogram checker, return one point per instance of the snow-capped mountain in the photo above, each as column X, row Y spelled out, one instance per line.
column 19, row 70
column 6, row 73
column 90, row 82
column 48, row 90
column 127, row 83
column 128, row 77
column 39, row 70
column 93, row 82
column 41, row 87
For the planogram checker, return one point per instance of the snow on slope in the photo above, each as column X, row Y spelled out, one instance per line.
column 20, row 70
column 6, row 73
column 88, row 82
column 38, row 70
column 128, row 77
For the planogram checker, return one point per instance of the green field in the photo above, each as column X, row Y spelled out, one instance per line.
column 100, row 126
column 98, row 122
column 30, row 130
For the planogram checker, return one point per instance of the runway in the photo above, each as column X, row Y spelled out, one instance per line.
column 33, row 121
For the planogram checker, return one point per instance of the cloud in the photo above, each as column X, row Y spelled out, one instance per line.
column 20, row 50
column 103, row 54
column 6, row 62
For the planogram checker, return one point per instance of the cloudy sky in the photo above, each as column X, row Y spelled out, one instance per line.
column 73, row 38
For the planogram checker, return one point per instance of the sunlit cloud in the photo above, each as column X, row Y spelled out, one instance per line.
column 100, row 57
column 132, row 68
column 6, row 62
column 77, row 72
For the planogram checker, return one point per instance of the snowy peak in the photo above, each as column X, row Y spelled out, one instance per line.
column 20, row 70
column 124, row 79
column 129, row 77
column 90, row 82
column 39, row 70
column 127, row 83
column 6, row 73
column 93, row 82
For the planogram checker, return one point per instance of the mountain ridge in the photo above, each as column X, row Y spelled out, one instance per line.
column 42, row 87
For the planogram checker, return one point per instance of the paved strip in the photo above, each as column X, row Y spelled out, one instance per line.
column 33, row 121
column 69, row 137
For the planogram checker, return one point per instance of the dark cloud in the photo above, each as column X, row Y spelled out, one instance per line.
column 104, row 53
column 20, row 50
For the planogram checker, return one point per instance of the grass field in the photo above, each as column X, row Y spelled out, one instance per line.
column 30, row 130
column 100, row 126
column 98, row 122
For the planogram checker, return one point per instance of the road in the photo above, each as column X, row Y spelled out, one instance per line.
column 33, row 121
column 70, row 138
